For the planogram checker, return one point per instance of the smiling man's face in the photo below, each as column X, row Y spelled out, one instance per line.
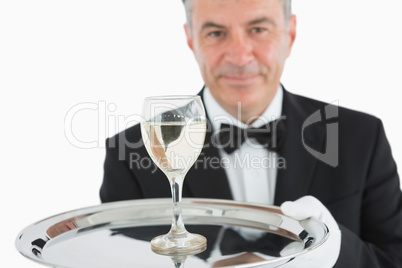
column 241, row 47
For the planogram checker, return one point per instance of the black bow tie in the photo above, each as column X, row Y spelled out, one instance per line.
column 271, row 136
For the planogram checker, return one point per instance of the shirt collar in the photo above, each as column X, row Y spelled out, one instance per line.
column 217, row 115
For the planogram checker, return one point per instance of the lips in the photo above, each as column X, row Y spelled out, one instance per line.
column 236, row 80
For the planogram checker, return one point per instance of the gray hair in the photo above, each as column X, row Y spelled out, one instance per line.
column 188, row 5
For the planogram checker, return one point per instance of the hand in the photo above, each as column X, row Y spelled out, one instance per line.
column 326, row 255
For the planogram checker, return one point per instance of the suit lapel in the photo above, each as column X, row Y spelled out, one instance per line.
column 294, row 181
column 207, row 178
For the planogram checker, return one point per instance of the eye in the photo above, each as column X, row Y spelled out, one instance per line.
column 258, row 30
column 215, row 34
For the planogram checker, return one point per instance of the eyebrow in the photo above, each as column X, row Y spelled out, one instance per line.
column 210, row 24
column 262, row 20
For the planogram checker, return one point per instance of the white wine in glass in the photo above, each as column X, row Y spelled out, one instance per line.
column 173, row 131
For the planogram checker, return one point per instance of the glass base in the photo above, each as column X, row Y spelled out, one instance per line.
column 188, row 244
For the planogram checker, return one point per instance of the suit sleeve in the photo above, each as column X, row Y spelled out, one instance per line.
column 380, row 242
column 119, row 182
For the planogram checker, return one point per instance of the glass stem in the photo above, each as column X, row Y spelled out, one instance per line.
column 177, row 229
column 178, row 261
column 178, row 264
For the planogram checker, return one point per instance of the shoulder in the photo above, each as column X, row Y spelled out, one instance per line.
column 130, row 137
column 346, row 116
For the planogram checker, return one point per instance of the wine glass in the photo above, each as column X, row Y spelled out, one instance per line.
column 173, row 130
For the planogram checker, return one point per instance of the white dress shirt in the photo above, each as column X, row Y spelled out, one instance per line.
column 252, row 169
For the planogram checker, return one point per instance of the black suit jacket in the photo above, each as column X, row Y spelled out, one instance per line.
column 362, row 192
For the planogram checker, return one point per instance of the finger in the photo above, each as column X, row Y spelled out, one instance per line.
column 302, row 208
column 295, row 210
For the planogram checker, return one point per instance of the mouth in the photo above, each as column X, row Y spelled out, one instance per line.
column 244, row 80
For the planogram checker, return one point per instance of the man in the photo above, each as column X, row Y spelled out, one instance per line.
column 342, row 172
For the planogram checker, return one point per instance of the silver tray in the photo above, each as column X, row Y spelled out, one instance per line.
column 117, row 234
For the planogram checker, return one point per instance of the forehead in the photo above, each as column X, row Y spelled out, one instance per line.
column 236, row 11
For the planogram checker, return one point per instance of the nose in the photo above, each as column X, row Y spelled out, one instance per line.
column 239, row 49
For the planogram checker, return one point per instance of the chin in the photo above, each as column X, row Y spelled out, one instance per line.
column 250, row 97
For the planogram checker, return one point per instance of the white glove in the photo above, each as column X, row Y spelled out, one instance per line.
column 326, row 255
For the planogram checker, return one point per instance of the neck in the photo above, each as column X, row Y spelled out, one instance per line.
column 246, row 116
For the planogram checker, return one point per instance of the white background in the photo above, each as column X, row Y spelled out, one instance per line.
column 55, row 55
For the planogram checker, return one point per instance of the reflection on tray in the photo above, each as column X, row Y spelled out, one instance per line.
column 118, row 235
column 230, row 245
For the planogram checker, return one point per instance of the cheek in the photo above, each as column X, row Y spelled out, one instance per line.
column 265, row 56
column 269, row 55
column 211, row 60
column 205, row 61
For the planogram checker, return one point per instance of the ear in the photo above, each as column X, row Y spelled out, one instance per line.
column 189, row 37
column 292, row 32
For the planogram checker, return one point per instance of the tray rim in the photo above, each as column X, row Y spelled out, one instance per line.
column 152, row 201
